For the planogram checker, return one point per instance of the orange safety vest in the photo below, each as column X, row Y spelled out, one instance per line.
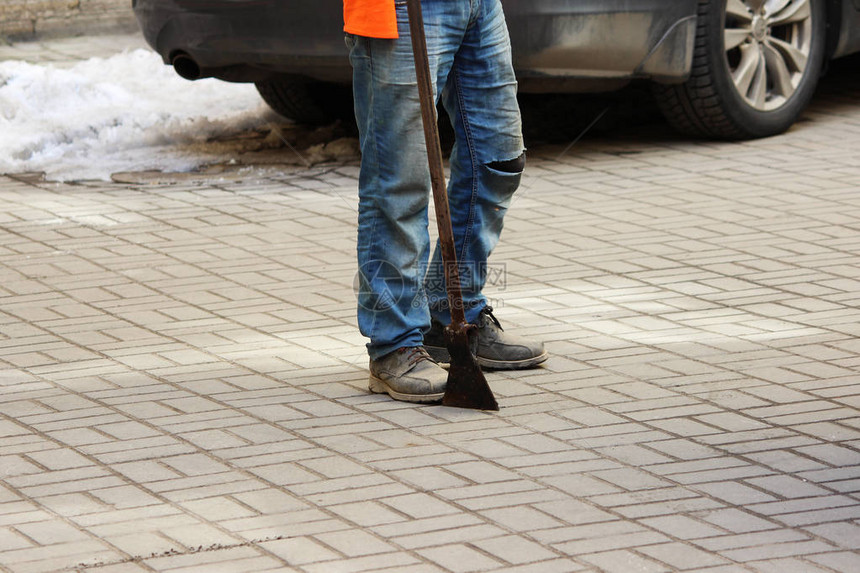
column 371, row 18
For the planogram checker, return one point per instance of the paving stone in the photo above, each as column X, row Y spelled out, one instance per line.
column 215, row 509
column 681, row 527
column 735, row 493
column 400, row 561
column 787, row 487
column 489, row 500
column 17, row 465
column 838, row 561
column 144, row 544
column 682, row 557
column 777, row 550
column 455, row 557
column 299, row 550
column 242, row 559
column 268, row 501
column 754, row 540
column 842, row 534
column 513, row 549
column 354, row 543
column 638, row 540
column 552, row 566
column 10, row 539
column 737, row 520
column 787, row 565
column 347, row 497
column 450, row 537
column 420, row 505
column 367, row 513
column 521, row 518
column 622, row 561
column 52, row 556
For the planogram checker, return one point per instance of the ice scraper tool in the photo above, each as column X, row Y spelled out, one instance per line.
column 467, row 387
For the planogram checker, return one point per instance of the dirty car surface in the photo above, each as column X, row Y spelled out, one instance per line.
column 759, row 59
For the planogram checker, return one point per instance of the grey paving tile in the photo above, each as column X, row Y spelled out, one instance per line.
column 624, row 560
column 683, row 557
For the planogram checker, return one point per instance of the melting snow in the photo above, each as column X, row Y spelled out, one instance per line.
column 125, row 113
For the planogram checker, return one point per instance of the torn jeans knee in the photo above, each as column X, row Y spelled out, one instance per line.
column 517, row 165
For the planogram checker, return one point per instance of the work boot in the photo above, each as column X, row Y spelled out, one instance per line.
column 408, row 374
column 496, row 349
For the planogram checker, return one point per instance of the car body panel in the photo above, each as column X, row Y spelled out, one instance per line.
column 558, row 45
column 848, row 39
column 601, row 39
column 299, row 37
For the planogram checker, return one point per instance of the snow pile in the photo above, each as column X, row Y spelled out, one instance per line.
column 128, row 112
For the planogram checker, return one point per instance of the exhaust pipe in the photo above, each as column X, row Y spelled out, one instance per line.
column 187, row 68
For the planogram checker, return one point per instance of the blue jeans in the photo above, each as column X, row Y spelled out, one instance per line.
column 469, row 52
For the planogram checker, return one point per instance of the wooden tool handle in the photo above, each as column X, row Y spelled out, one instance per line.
column 434, row 159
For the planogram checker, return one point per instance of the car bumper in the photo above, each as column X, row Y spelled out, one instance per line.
column 245, row 40
column 603, row 39
column 558, row 45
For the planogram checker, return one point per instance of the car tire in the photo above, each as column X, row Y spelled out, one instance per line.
column 753, row 73
column 306, row 101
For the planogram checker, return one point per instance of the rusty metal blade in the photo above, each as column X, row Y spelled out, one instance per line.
column 467, row 387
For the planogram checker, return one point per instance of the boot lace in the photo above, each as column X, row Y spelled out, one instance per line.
column 488, row 312
column 416, row 354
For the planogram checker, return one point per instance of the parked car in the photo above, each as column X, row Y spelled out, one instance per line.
column 731, row 69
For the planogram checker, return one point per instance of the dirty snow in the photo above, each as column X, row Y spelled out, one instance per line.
column 125, row 113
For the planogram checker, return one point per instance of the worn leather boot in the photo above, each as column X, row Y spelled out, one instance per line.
column 496, row 349
column 408, row 374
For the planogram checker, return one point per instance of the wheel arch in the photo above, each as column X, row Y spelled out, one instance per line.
column 833, row 25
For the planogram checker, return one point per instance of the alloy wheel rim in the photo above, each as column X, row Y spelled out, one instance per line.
column 767, row 46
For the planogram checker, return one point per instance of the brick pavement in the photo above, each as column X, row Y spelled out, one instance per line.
column 184, row 389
